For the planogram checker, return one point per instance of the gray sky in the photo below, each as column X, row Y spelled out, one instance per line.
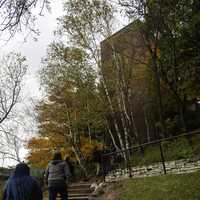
column 34, row 51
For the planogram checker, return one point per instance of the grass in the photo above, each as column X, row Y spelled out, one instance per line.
column 168, row 187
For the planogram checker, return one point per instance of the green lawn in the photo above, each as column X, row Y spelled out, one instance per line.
column 166, row 187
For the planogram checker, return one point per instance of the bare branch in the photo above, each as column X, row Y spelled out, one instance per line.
column 12, row 72
column 15, row 15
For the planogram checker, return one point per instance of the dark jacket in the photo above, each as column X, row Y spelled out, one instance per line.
column 21, row 186
column 57, row 173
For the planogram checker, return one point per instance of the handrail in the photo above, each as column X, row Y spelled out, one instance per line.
column 154, row 142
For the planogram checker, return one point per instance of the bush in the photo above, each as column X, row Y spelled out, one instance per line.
column 150, row 155
column 178, row 149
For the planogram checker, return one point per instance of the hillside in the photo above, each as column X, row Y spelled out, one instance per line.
column 166, row 187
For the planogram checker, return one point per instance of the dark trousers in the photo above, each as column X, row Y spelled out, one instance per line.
column 54, row 191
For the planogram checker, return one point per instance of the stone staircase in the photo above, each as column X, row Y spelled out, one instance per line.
column 77, row 191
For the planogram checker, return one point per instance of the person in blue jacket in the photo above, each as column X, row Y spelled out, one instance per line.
column 21, row 186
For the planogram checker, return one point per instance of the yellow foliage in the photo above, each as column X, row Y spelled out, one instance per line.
column 87, row 147
column 41, row 149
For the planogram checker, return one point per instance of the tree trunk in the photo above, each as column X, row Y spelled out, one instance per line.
column 112, row 137
column 158, row 95
column 76, row 149
column 113, row 114
column 80, row 159
column 89, row 133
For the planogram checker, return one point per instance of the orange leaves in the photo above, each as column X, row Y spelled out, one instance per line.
column 41, row 149
column 40, row 158
column 88, row 147
column 37, row 143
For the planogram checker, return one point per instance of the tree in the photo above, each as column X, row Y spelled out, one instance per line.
column 15, row 15
column 41, row 149
column 12, row 72
column 70, row 108
column 88, row 22
column 11, row 143
column 179, row 57
column 150, row 16
column 164, row 28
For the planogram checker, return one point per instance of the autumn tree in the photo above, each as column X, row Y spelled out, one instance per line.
column 87, row 23
column 70, row 109
column 41, row 149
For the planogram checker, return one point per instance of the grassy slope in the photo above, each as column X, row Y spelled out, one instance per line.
column 169, row 187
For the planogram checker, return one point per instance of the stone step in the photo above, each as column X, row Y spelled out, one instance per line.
column 71, row 198
column 79, row 185
column 78, row 198
column 78, row 191
column 77, row 194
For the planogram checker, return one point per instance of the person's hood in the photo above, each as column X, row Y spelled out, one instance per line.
column 55, row 162
column 21, row 169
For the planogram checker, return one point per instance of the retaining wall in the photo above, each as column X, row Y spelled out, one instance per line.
column 172, row 167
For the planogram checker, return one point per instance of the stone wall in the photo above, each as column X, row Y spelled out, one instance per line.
column 172, row 167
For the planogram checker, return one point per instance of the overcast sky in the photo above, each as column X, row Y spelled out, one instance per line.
column 34, row 51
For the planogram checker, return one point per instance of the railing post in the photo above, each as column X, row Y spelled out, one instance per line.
column 162, row 157
column 130, row 169
column 128, row 162
column 103, row 168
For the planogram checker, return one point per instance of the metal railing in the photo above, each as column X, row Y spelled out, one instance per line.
column 159, row 149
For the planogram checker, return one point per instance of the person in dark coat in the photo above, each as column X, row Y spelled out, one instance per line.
column 21, row 186
column 97, row 160
column 71, row 168
column 56, row 175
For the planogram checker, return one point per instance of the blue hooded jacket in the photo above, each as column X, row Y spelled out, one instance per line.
column 21, row 186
